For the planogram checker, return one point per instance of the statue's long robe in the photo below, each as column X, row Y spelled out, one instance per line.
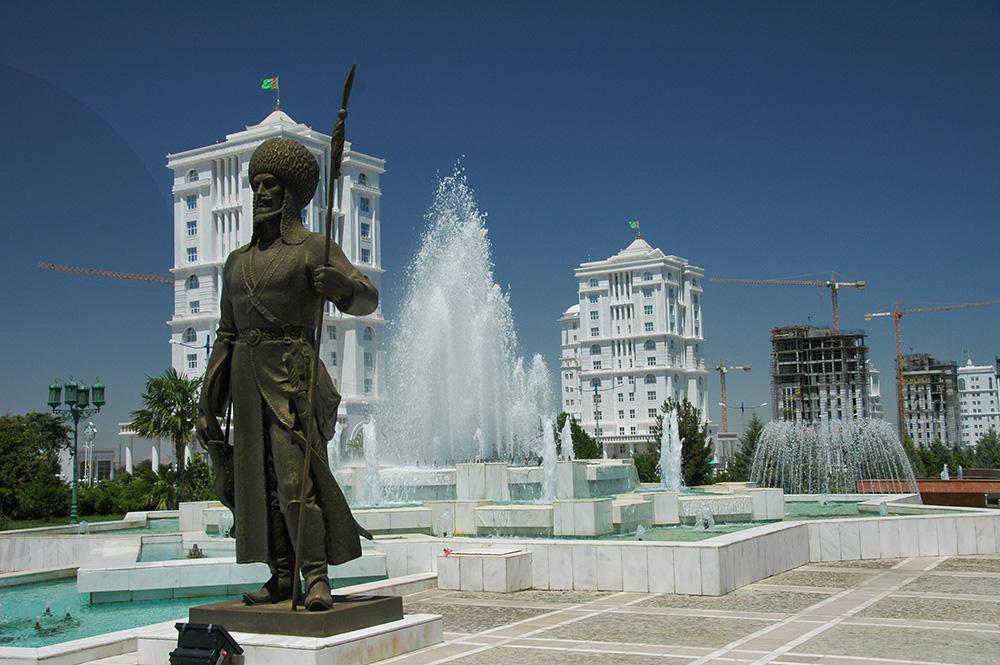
column 267, row 290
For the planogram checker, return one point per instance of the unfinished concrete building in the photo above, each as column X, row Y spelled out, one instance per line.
column 819, row 374
column 930, row 391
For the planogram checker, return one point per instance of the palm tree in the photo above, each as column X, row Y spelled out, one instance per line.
column 170, row 407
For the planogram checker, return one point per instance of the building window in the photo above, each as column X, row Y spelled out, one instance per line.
column 649, row 326
column 369, row 334
column 651, row 413
column 594, row 332
column 647, row 293
column 631, row 397
column 650, row 379
column 331, row 332
column 631, row 414
column 595, row 383
column 192, row 359
column 362, row 178
column 369, row 360
column 192, row 201
column 650, row 361
column 333, row 359
column 192, row 282
column 190, row 336
column 647, row 276
column 595, row 350
column 651, row 395
column 621, row 415
column 597, row 364
column 650, row 345
column 364, row 204
column 366, row 256
column 594, row 315
column 194, row 307
column 593, row 298
column 368, row 386
column 192, row 176
column 366, row 230
column 192, row 253
column 192, row 227
column 647, row 310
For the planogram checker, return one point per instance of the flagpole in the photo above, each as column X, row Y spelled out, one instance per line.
column 277, row 94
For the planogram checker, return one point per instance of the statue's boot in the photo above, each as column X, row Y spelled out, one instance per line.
column 279, row 587
column 313, row 556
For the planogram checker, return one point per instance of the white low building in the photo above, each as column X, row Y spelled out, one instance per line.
column 978, row 402
column 213, row 215
column 634, row 340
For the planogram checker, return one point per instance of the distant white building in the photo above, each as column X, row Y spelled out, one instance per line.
column 634, row 340
column 875, row 391
column 978, row 402
column 213, row 215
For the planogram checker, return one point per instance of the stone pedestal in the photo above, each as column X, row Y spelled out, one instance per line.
column 582, row 517
column 486, row 569
column 768, row 504
column 571, row 480
column 479, row 482
column 665, row 509
column 347, row 614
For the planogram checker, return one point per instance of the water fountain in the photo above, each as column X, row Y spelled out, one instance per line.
column 831, row 457
column 670, row 454
column 566, row 436
column 549, row 462
column 373, row 480
column 452, row 365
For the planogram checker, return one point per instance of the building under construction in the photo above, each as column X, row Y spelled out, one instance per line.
column 819, row 374
column 930, row 391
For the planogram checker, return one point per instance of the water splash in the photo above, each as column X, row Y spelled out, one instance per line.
column 550, row 462
column 831, row 457
column 373, row 478
column 567, row 440
column 333, row 448
column 670, row 454
column 452, row 365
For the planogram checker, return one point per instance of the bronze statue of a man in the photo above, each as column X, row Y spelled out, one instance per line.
column 262, row 363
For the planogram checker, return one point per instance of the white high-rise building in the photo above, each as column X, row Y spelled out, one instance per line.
column 978, row 402
column 213, row 215
column 634, row 340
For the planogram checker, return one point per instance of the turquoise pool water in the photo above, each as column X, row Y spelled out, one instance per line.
column 21, row 605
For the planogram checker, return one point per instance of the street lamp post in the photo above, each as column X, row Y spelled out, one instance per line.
column 77, row 399
column 89, row 432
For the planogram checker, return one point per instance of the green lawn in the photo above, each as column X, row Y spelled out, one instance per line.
column 59, row 521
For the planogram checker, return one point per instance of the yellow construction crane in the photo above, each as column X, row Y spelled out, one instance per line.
column 896, row 315
column 721, row 368
column 156, row 279
column 833, row 284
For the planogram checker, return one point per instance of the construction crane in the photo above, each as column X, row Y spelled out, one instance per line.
column 896, row 315
column 156, row 279
column 721, row 368
column 831, row 284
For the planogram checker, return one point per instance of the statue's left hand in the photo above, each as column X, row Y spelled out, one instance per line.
column 333, row 284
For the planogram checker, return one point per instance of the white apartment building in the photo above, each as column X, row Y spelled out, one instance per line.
column 634, row 340
column 213, row 215
column 978, row 402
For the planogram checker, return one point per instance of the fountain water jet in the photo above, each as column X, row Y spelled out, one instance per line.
column 373, row 478
column 452, row 366
column 550, row 461
column 831, row 457
column 670, row 454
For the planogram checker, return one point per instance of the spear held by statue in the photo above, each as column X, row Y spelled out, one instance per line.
column 336, row 156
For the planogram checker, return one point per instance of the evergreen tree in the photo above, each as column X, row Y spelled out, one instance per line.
column 940, row 455
column 912, row 454
column 170, row 407
column 30, row 486
column 741, row 463
column 988, row 450
column 584, row 445
column 696, row 447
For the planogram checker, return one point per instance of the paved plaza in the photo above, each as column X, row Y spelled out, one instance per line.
column 890, row 611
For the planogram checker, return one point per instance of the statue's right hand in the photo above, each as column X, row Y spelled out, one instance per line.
column 208, row 429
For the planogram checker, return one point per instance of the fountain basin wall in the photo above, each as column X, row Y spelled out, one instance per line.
column 115, row 574
column 722, row 564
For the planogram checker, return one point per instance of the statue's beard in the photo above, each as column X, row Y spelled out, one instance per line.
column 265, row 217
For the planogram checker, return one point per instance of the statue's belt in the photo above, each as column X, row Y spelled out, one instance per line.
column 285, row 333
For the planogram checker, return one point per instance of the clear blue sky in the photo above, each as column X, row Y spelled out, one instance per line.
column 755, row 139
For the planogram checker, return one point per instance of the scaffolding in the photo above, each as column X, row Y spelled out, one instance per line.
column 819, row 374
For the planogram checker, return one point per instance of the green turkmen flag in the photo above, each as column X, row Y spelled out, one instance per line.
column 269, row 84
column 634, row 224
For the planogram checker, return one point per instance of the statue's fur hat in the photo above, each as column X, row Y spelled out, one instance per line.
column 291, row 163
